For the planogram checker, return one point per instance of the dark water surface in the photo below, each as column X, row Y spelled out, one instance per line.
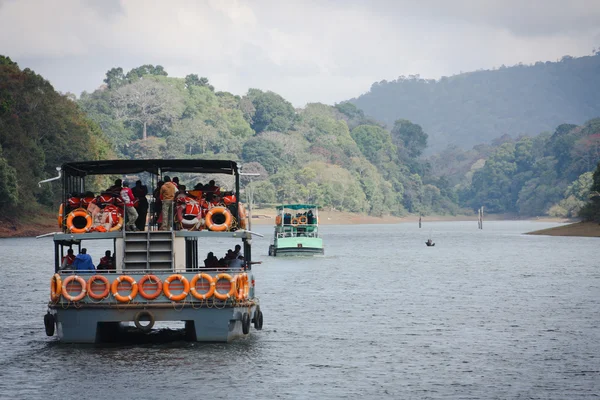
column 485, row 314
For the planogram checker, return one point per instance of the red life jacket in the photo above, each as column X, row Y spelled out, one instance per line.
column 105, row 199
column 86, row 201
column 229, row 199
column 74, row 202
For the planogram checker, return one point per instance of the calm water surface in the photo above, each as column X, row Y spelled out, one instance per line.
column 485, row 314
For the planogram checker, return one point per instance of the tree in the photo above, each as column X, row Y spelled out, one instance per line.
column 115, row 78
column 265, row 152
column 147, row 69
column 146, row 102
column 410, row 136
column 272, row 112
column 194, row 80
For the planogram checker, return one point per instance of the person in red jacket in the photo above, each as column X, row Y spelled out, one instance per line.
column 132, row 215
column 67, row 261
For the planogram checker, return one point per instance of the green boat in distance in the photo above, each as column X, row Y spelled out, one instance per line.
column 296, row 231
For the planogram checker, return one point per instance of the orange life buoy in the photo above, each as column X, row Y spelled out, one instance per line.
column 80, row 212
column 167, row 290
column 152, row 279
column 117, row 226
column 303, row 220
column 194, row 291
column 115, row 289
column 278, row 220
column 55, row 287
column 294, row 221
column 242, row 215
column 224, row 296
column 218, row 227
column 93, row 294
column 61, row 215
column 68, row 295
column 240, row 293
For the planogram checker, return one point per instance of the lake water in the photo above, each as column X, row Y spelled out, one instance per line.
column 485, row 314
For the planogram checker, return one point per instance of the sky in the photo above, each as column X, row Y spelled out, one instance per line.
column 307, row 51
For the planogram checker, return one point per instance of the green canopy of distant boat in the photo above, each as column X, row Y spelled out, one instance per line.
column 297, row 206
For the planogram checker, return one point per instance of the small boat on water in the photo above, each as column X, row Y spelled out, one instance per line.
column 155, row 275
column 296, row 231
column 429, row 243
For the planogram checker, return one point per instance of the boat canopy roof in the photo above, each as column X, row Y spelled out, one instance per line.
column 109, row 167
column 297, row 206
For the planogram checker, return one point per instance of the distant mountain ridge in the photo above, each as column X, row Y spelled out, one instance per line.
column 477, row 107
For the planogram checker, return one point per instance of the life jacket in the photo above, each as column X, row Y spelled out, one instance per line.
column 105, row 199
column 229, row 199
column 192, row 207
column 74, row 202
column 86, row 201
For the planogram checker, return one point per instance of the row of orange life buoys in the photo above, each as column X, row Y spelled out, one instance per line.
column 202, row 287
column 116, row 220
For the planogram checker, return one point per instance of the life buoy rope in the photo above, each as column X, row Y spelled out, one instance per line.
column 211, row 283
column 152, row 279
column 224, row 296
column 65, row 292
column 225, row 226
column 115, row 289
column 167, row 290
column 80, row 212
column 104, row 293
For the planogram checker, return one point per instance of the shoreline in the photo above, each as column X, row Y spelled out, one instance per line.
column 12, row 229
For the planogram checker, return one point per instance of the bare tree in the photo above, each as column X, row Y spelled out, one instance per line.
column 146, row 101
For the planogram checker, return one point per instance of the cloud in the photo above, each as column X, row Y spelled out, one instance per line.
column 307, row 51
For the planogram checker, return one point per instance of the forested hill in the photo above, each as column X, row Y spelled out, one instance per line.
column 476, row 107
column 39, row 130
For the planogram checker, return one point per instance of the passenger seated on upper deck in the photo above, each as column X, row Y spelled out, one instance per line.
column 211, row 190
column 310, row 218
column 237, row 263
column 107, row 262
column 83, row 262
column 211, row 261
column 67, row 261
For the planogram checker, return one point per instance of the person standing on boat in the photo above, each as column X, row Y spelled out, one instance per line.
column 167, row 195
column 83, row 262
column 140, row 191
column 132, row 214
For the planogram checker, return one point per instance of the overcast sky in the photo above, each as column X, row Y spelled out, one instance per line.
column 307, row 51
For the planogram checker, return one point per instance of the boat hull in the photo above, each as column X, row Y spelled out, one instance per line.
column 93, row 323
column 297, row 246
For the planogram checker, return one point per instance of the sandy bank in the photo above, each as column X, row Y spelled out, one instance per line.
column 585, row 229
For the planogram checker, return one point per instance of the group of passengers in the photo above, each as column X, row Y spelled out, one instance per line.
column 172, row 197
column 170, row 200
column 120, row 195
column 308, row 215
column 82, row 262
column 233, row 259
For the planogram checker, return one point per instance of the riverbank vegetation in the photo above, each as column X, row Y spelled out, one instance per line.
column 336, row 156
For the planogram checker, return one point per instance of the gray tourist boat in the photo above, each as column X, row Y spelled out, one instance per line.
column 156, row 275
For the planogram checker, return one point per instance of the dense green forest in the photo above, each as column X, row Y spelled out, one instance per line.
column 336, row 156
column 39, row 130
column 476, row 107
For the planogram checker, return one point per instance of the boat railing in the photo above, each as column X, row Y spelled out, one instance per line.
column 223, row 269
